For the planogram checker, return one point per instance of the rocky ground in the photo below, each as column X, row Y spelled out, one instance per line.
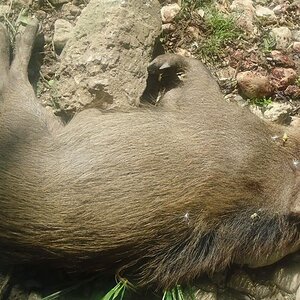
column 252, row 48
column 256, row 59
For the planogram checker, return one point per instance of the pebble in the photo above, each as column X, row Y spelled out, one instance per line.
column 282, row 77
column 278, row 9
column 296, row 35
column 58, row 2
column 169, row 12
column 24, row 2
column 71, row 9
column 281, row 59
column 254, row 84
column 293, row 91
column 282, row 36
column 296, row 47
column 279, row 113
column 168, row 27
column 62, row 32
column 244, row 12
column 265, row 13
column 201, row 12
column 4, row 9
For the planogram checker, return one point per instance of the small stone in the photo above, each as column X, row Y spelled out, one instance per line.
column 279, row 113
column 265, row 13
column 200, row 12
column 170, row 1
column 295, row 7
column 295, row 123
column 226, row 73
column 240, row 100
column 254, row 84
column 58, row 2
column 169, row 12
column 296, row 46
column 183, row 52
column 70, row 9
column 194, row 31
column 282, row 36
column 296, row 35
column 47, row 38
column 229, row 97
column 168, row 27
column 281, row 59
column 293, row 91
column 62, row 33
column 75, row 11
column 4, row 9
column 282, row 77
column 244, row 12
column 278, row 9
column 24, row 2
column 40, row 14
column 77, row 2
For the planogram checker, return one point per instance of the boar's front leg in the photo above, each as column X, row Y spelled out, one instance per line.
column 22, row 115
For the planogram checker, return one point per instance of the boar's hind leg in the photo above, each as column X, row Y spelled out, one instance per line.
column 24, row 44
column 4, row 55
column 21, row 100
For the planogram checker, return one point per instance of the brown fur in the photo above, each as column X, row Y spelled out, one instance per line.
column 161, row 193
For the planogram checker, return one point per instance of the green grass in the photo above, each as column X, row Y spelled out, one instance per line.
column 174, row 294
column 121, row 291
column 217, row 29
column 51, row 86
column 188, row 6
column 13, row 22
column 268, row 44
column 177, row 293
column 261, row 102
column 117, row 292
column 222, row 30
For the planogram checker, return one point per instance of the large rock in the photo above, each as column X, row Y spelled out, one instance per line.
column 104, row 64
column 275, row 282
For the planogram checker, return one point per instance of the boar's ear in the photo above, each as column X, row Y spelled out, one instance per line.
column 168, row 61
column 165, row 65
